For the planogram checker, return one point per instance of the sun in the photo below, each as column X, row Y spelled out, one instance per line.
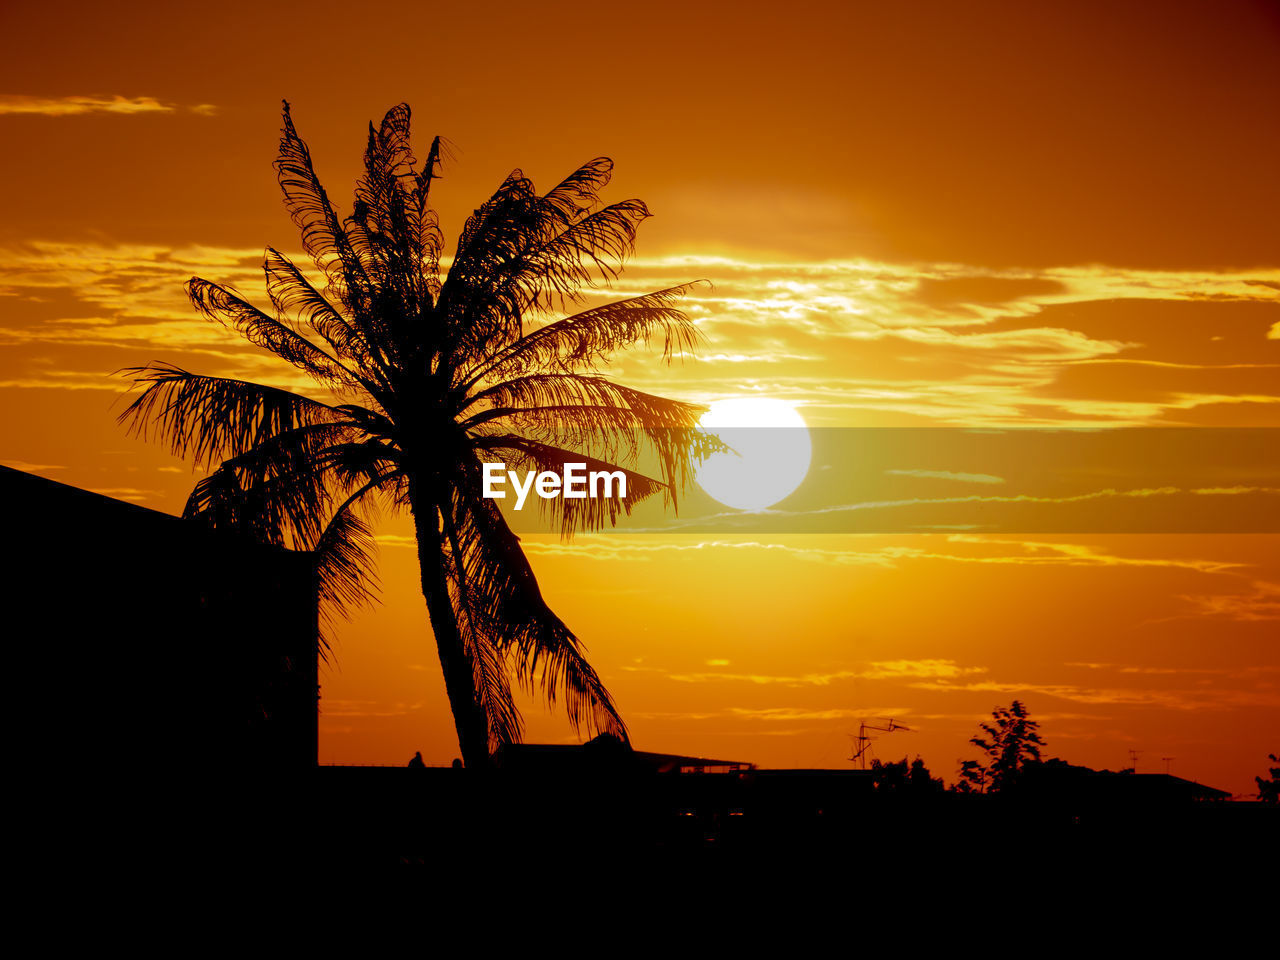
column 770, row 454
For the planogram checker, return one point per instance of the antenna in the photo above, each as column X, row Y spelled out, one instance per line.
column 862, row 741
column 1133, row 758
column 1167, row 761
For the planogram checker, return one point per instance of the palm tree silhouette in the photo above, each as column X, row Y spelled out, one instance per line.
column 421, row 379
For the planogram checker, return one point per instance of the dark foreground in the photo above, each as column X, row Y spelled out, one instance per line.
column 364, row 817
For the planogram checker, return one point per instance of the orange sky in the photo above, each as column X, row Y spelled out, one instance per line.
column 925, row 214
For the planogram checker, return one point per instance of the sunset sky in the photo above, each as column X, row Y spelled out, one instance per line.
column 965, row 215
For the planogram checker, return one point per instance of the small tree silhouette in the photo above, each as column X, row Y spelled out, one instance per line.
column 1010, row 743
column 1269, row 790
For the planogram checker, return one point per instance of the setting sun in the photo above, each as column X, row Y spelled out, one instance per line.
column 768, row 456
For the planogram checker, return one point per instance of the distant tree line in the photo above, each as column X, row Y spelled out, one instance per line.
column 1011, row 754
column 899, row 778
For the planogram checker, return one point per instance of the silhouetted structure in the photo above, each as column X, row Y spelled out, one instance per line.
column 177, row 665
column 1083, row 788
column 604, row 800
column 604, row 754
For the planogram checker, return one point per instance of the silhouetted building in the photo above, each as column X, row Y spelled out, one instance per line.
column 603, row 754
column 1061, row 782
column 157, row 664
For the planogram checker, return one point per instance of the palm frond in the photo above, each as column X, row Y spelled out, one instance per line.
column 293, row 293
column 589, row 338
column 477, row 308
column 579, row 390
column 384, row 223
column 209, row 419
column 605, row 419
column 573, row 515
column 505, row 602
column 482, row 646
column 577, row 193
column 222, row 306
column 308, row 204
column 263, row 499
column 346, row 564
column 520, row 252
column 559, row 270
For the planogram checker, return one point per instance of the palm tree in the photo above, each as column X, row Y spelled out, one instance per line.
column 422, row 377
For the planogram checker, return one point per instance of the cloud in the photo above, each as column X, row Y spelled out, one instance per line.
column 1037, row 553
column 788, row 714
column 866, row 345
column 1013, row 552
column 31, row 467
column 876, row 670
column 985, row 289
column 366, row 708
column 1209, row 698
column 884, row 669
column 126, row 297
column 132, row 494
column 629, row 547
column 1260, row 604
column 849, row 341
column 77, row 106
column 947, row 475
column 1110, row 493
column 63, row 380
column 775, row 714
column 763, row 679
column 1237, row 672
column 672, row 715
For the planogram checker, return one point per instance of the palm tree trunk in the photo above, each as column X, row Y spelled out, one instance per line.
column 468, row 715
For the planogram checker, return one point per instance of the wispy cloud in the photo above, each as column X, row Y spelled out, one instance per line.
column 876, row 670
column 132, row 494
column 969, row 549
column 1237, row 672
column 947, row 475
column 740, row 520
column 1037, row 553
column 31, row 467
column 367, row 708
column 634, row 548
column 1262, row 602
column 79, row 105
column 847, row 341
column 886, row 669
column 1207, row 698
column 791, row 714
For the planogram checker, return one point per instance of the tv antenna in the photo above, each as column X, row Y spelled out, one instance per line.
column 862, row 741
column 1167, row 761
column 1133, row 758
